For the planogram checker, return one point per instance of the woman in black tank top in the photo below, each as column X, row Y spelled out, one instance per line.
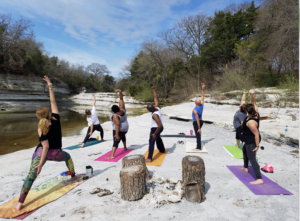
column 252, row 139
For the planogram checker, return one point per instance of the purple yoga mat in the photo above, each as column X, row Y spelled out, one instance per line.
column 119, row 154
column 268, row 188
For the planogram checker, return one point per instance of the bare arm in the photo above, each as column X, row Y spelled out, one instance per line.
column 116, row 121
column 198, row 121
column 243, row 101
column 252, row 100
column 45, row 145
column 54, row 108
column 156, row 104
column 202, row 93
column 159, row 125
column 121, row 101
column 94, row 104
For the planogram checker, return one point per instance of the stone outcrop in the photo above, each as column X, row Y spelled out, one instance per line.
column 26, row 92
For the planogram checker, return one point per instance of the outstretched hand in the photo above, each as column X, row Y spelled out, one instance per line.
column 118, row 90
column 252, row 92
column 202, row 85
column 47, row 80
column 93, row 95
column 245, row 91
column 152, row 86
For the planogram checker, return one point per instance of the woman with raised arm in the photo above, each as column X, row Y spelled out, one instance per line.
column 49, row 148
column 197, row 117
column 120, row 125
column 93, row 123
column 251, row 138
column 156, row 127
column 238, row 119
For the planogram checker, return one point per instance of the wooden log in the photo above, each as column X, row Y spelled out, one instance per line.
column 136, row 159
column 193, row 178
column 133, row 182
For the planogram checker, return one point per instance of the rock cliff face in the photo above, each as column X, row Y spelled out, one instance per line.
column 25, row 93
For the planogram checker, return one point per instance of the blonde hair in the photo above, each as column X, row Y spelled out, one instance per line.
column 43, row 114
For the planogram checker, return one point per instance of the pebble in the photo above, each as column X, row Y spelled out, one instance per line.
column 62, row 215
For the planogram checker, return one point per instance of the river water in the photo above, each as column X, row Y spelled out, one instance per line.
column 18, row 131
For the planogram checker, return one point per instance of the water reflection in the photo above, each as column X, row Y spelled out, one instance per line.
column 19, row 131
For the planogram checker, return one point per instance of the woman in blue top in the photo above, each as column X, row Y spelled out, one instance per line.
column 197, row 118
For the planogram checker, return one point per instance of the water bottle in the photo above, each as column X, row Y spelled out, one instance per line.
column 286, row 134
column 286, row 130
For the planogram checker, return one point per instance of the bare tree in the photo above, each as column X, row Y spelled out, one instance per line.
column 186, row 37
column 15, row 37
column 99, row 70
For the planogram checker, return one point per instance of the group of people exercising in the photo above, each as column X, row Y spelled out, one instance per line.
column 50, row 136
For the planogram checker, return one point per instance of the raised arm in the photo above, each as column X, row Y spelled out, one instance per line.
column 121, row 101
column 156, row 104
column 94, row 104
column 252, row 100
column 54, row 108
column 202, row 93
column 243, row 101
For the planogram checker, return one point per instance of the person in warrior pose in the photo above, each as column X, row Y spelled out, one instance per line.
column 156, row 127
column 238, row 119
column 93, row 123
column 197, row 117
column 252, row 139
column 49, row 148
column 120, row 125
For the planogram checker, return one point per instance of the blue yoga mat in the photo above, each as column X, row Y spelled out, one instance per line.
column 87, row 144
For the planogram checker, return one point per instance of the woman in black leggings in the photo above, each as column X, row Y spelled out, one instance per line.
column 252, row 139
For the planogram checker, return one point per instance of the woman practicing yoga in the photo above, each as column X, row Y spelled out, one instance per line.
column 120, row 125
column 238, row 119
column 197, row 117
column 156, row 127
column 93, row 122
column 49, row 148
column 252, row 139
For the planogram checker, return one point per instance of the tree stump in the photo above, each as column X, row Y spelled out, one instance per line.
column 133, row 182
column 193, row 178
column 137, row 159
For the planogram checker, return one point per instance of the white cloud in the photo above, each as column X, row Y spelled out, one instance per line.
column 102, row 21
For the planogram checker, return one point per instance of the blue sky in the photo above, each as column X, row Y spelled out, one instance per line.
column 103, row 31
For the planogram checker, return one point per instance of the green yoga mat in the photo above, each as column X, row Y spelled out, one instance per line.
column 87, row 144
column 234, row 151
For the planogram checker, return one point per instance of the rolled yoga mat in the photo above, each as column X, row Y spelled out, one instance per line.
column 40, row 195
column 157, row 158
column 119, row 154
column 87, row 144
column 189, row 148
column 178, row 135
column 268, row 188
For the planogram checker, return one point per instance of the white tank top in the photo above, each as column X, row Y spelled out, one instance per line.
column 153, row 122
column 124, row 126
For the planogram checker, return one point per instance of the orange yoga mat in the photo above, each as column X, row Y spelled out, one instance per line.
column 41, row 195
column 157, row 158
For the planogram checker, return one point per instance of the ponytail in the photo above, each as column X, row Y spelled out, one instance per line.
column 44, row 126
column 43, row 114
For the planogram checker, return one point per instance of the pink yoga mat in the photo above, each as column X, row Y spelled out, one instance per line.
column 119, row 154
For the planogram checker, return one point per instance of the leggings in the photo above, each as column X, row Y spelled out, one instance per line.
column 122, row 136
column 95, row 127
column 53, row 155
column 160, row 144
column 198, row 135
column 249, row 154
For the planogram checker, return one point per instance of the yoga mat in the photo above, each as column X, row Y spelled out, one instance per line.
column 189, row 148
column 234, row 151
column 87, row 144
column 186, row 136
column 268, row 188
column 157, row 158
column 40, row 195
column 119, row 154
